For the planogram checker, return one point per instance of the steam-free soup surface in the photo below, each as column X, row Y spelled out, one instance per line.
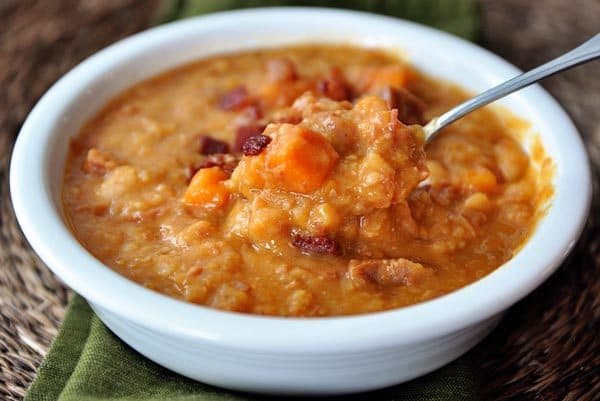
column 293, row 182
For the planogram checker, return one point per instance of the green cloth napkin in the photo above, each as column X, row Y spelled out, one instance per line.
column 88, row 363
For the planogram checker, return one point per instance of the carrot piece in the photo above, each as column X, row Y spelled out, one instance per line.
column 279, row 94
column 207, row 188
column 299, row 159
column 396, row 76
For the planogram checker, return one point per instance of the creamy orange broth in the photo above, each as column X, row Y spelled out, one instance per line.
column 291, row 182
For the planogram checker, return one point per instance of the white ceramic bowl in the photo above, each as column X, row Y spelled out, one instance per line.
column 284, row 355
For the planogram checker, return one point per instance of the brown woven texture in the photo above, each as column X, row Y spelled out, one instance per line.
column 548, row 345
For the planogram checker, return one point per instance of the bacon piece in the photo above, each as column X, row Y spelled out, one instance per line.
column 386, row 272
column 410, row 107
column 315, row 244
column 244, row 132
column 98, row 162
column 334, row 86
column 227, row 162
column 235, row 99
column 255, row 145
column 210, row 145
column 281, row 70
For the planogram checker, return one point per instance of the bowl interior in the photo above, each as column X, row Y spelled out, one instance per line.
column 43, row 143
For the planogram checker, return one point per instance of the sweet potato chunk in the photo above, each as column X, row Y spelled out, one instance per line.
column 481, row 179
column 386, row 272
column 299, row 159
column 207, row 188
column 396, row 76
column 283, row 93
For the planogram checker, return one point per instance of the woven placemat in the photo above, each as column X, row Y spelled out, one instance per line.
column 547, row 347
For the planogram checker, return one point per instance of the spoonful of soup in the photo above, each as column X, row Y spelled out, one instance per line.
column 585, row 52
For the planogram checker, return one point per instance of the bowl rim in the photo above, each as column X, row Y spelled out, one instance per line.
column 47, row 233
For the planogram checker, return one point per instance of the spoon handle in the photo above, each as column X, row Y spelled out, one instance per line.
column 587, row 51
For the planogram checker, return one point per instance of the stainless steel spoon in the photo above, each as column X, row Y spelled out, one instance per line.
column 585, row 52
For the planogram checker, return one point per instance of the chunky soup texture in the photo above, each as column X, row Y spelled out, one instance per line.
column 294, row 182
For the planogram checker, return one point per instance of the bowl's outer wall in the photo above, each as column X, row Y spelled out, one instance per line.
column 36, row 179
column 284, row 374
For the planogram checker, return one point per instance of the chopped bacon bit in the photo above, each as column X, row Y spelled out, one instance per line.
column 226, row 162
column 334, row 86
column 210, row 145
column 281, row 70
column 244, row 132
column 410, row 107
column 98, row 162
column 387, row 271
column 315, row 244
column 331, row 89
column 235, row 99
column 255, row 144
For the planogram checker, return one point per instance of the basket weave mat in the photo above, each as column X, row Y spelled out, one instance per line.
column 548, row 345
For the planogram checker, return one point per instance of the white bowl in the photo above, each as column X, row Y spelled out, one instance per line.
column 289, row 355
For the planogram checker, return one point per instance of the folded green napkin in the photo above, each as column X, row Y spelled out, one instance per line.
column 88, row 363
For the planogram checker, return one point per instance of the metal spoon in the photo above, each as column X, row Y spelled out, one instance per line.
column 585, row 52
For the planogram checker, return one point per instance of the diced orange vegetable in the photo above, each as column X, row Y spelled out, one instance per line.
column 207, row 188
column 278, row 94
column 299, row 159
column 396, row 76
column 481, row 179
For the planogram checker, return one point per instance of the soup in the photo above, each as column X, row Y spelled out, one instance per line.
column 296, row 182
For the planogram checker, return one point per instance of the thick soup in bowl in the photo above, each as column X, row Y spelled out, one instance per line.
column 295, row 182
